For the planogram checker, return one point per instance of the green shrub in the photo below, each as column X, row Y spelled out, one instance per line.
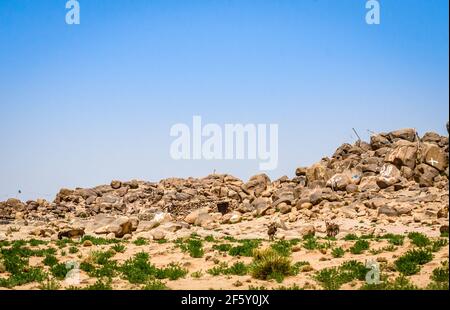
column 394, row 239
column 282, row 247
column 351, row 237
column 268, row 264
column 99, row 241
column 50, row 260
column 438, row 244
column 119, row 248
column 338, row 252
column 224, row 247
column 419, row 239
column 210, row 239
column 36, row 242
column 333, row 278
column 140, row 241
column 409, row 263
column 238, row 269
column 360, row 246
column 73, row 250
column 441, row 274
column 246, row 248
column 138, row 269
column 194, row 246
column 310, row 243
column 171, row 272
column 155, row 285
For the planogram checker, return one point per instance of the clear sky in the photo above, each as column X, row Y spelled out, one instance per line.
column 82, row 105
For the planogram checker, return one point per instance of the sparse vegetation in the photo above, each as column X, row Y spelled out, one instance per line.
column 410, row 263
column 333, row 278
column 246, row 248
column 155, row 285
column 360, row 246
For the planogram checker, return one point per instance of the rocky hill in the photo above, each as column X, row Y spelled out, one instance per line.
column 397, row 183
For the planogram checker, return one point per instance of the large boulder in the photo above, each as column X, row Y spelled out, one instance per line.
column 404, row 154
column 15, row 204
column 424, row 175
column 389, row 175
column 318, row 174
column 192, row 217
column 119, row 226
column 435, row 156
column 339, row 181
column 256, row 185
column 408, row 134
column 378, row 141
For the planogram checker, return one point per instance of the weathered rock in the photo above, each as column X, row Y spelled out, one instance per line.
column 408, row 134
column 301, row 171
column 389, row 175
column 115, row 184
column 424, row 175
column 256, row 185
column 368, row 184
column 158, row 234
column 119, row 226
column 192, row 217
column 203, row 219
column 261, row 205
column 235, row 218
column 284, row 208
column 339, row 181
column 317, row 173
column 15, row 204
column 378, row 141
column 404, row 154
column 435, row 157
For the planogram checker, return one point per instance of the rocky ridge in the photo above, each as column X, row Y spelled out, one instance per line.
column 396, row 182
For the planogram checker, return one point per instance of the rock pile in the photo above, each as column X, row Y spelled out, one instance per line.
column 396, row 176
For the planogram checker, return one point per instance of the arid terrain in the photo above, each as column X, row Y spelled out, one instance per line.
column 374, row 215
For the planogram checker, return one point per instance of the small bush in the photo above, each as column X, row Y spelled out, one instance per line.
column 118, row 248
column 409, row 263
column 338, row 252
column 419, row 239
column 268, row 264
column 59, row 271
column 155, row 285
column 245, row 249
column 50, row 260
column 394, row 239
column 138, row 269
column 99, row 241
column 140, row 241
column 351, row 237
column 310, row 243
column 224, row 247
column 282, row 247
column 73, row 250
column 171, row 272
column 333, row 278
column 360, row 246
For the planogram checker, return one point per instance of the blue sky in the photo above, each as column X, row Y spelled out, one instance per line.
column 82, row 105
